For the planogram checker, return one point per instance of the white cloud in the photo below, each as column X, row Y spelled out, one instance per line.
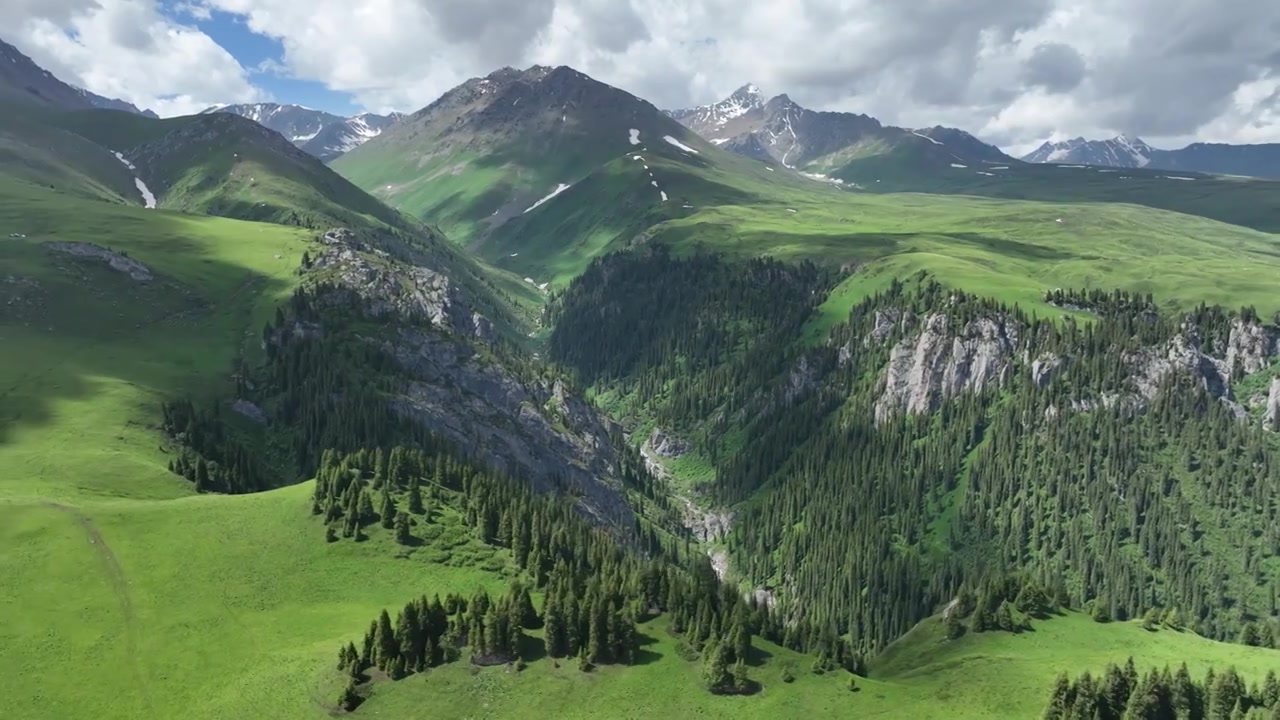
column 126, row 49
column 1013, row 72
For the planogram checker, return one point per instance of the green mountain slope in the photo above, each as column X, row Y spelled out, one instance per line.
column 223, row 164
column 33, row 149
column 493, row 147
column 1248, row 202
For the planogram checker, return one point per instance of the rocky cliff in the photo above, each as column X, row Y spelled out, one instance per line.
column 940, row 360
column 454, row 384
column 1250, row 347
column 943, row 360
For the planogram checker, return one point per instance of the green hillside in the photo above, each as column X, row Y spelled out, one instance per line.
column 490, row 149
column 1248, row 202
column 848, row 452
column 34, row 150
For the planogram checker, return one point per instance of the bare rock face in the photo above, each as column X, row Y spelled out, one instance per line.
column 667, row 446
column 1046, row 367
column 250, row 410
column 1153, row 367
column 118, row 262
column 943, row 361
column 413, row 292
column 1271, row 417
column 534, row 429
column 543, row 432
column 885, row 322
column 1250, row 347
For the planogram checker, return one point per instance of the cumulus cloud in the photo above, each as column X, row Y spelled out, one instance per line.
column 127, row 49
column 1056, row 67
column 1014, row 73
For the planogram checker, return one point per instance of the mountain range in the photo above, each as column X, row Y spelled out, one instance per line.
column 541, row 400
column 325, row 135
column 1130, row 152
column 824, row 144
column 782, row 131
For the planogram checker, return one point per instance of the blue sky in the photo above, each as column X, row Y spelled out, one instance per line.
column 263, row 58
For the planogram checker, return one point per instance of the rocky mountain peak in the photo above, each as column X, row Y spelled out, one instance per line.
column 1121, row 151
column 22, row 78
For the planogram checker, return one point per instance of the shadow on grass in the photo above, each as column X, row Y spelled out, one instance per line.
column 758, row 656
column 86, row 321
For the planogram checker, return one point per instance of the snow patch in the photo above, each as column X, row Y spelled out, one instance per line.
column 768, row 168
column 1078, row 167
column 148, row 200
column 791, row 210
column 1175, row 177
column 822, row 178
column 986, row 173
column 654, row 183
column 958, row 165
column 719, row 141
column 635, row 137
column 559, row 189
column 926, row 137
column 1001, row 167
column 679, row 144
column 664, row 195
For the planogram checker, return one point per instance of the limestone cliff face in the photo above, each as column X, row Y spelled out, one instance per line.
column 1251, row 347
column 452, row 384
column 943, row 361
column 1154, row 365
column 939, row 361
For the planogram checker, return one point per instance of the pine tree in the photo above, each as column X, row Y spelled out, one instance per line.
column 553, row 626
column 415, row 497
column 715, row 667
column 388, row 512
column 403, row 534
column 1061, row 700
column 386, row 645
column 1271, row 690
column 349, row 699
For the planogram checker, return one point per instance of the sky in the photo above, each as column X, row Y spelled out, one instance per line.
column 1013, row 72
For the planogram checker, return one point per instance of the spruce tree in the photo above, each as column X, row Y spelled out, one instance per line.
column 715, row 667
column 403, row 533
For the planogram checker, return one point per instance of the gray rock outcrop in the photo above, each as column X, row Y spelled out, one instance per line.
column 941, row 362
column 1152, row 367
column 391, row 288
column 1045, row 367
column 1271, row 416
column 667, row 445
column 250, row 410
column 450, row 384
column 542, row 432
column 115, row 260
column 1250, row 347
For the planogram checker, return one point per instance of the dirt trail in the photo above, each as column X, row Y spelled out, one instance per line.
column 120, row 587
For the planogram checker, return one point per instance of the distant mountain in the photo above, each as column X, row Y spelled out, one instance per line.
column 296, row 123
column 492, row 148
column 709, row 120
column 781, row 130
column 24, row 81
column 338, row 138
column 105, row 103
column 1120, row 151
column 1130, row 152
column 322, row 134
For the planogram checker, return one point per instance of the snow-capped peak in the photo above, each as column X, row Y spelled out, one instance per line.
column 709, row 118
column 1120, row 151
